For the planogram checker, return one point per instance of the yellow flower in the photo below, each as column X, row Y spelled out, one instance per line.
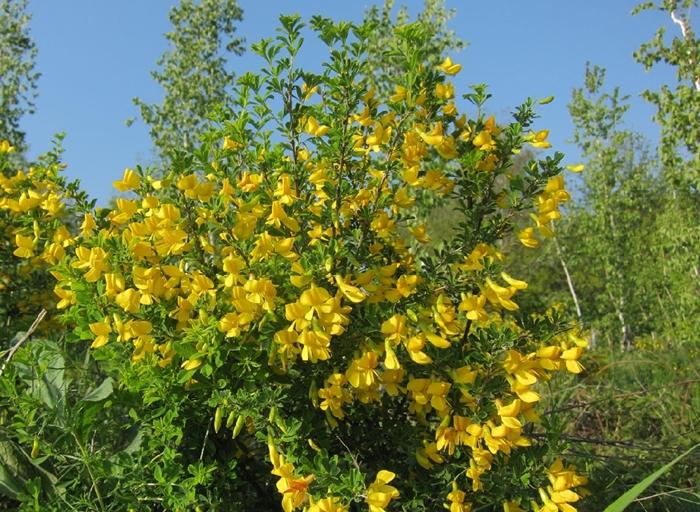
column 474, row 307
column 130, row 181
column 391, row 362
column 435, row 137
column 539, row 139
column 437, row 390
column 5, row 147
column 314, row 299
column 446, row 437
column 334, row 395
column 191, row 364
column 331, row 504
column 308, row 91
column 101, row 330
column 484, row 141
column 518, row 285
column 571, row 356
column 420, row 234
column 414, row 346
column 312, row 127
column 456, row 498
column 362, row 372
column 558, row 496
column 509, row 413
column 352, row 293
column 315, row 344
column 445, row 91
column 380, row 136
column 511, row 506
column 114, row 284
column 92, row 259
column 129, row 300
column 278, row 216
column 229, row 143
column 25, row 246
column 428, row 455
column 67, row 297
column 379, row 493
column 449, row 68
column 292, row 488
column 499, row 295
column 399, row 94
column 249, row 182
column 527, row 238
column 284, row 191
column 391, row 379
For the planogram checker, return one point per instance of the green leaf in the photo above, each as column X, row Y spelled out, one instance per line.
column 17, row 469
column 100, row 392
column 136, row 436
column 621, row 503
column 9, row 486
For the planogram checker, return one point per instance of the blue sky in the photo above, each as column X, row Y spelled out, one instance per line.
column 95, row 56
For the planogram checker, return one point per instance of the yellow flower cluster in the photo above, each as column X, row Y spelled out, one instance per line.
column 558, row 495
column 314, row 261
column 548, row 204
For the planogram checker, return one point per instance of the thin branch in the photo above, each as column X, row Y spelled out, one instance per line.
column 606, row 442
column 16, row 346
column 569, row 281
column 352, row 455
column 588, row 455
column 687, row 490
column 204, row 443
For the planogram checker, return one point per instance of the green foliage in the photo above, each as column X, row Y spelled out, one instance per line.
column 194, row 72
column 677, row 106
column 17, row 61
column 621, row 504
column 610, row 225
column 630, row 243
column 629, row 415
column 45, row 198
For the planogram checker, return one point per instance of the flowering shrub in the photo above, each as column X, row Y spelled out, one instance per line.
column 273, row 304
column 37, row 205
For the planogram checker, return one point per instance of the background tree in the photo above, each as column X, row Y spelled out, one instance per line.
column 193, row 72
column 678, row 115
column 612, row 214
column 677, row 105
column 18, row 78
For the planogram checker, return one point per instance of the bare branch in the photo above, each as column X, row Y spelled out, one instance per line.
column 569, row 281
column 16, row 346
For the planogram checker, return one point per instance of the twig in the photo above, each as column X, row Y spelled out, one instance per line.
column 569, row 281
column 15, row 347
column 352, row 456
column 606, row 442
column 204, row 444
column 467, row 328
column 587, row 455
column 687, row 490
